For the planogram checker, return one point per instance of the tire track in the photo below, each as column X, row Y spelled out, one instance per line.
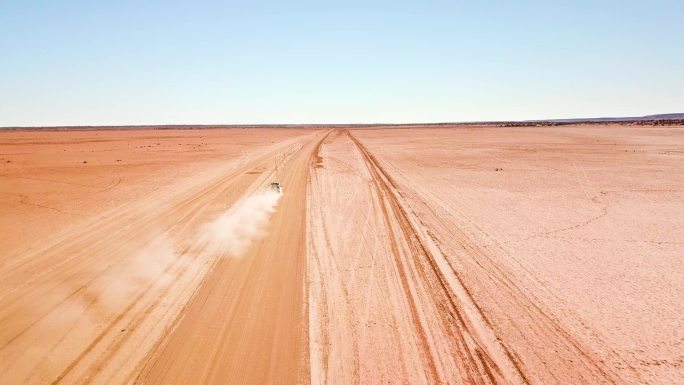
column 479, row 364
column 587, row 368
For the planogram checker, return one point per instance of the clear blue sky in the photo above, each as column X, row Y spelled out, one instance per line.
column 149, row 62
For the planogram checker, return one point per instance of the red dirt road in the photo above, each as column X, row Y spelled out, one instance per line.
column 426, row 255
column 245, row 324
column 89, row 303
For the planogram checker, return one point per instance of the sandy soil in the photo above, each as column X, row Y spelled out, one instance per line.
column 424, row 255
column 98, row 274
column 572, row 251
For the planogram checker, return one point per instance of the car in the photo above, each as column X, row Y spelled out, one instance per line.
column 277, row 187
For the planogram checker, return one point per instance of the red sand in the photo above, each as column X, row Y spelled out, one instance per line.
column 423, row 255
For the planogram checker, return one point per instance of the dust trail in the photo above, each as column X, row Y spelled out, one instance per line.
column 80, row 317
column 147, row 266
column 71, row 314
column 234, row 231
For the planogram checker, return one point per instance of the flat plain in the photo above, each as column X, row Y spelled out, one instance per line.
column 464, row 254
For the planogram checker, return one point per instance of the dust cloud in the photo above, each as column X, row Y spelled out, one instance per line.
column 150, row 268
column 233, row 231
column 230, row 234
column 148, row 265
column 79, row 310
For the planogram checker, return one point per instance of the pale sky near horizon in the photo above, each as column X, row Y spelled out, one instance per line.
column 169, row 62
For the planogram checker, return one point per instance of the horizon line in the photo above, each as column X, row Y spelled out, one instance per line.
column 664, row 116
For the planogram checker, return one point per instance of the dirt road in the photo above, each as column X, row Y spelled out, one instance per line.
column 246, row 324
column 89, row 305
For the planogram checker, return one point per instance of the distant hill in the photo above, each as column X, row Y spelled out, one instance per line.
column 665, row 116
column 673, row 116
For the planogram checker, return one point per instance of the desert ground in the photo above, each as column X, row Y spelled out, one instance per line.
column 422, row 255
